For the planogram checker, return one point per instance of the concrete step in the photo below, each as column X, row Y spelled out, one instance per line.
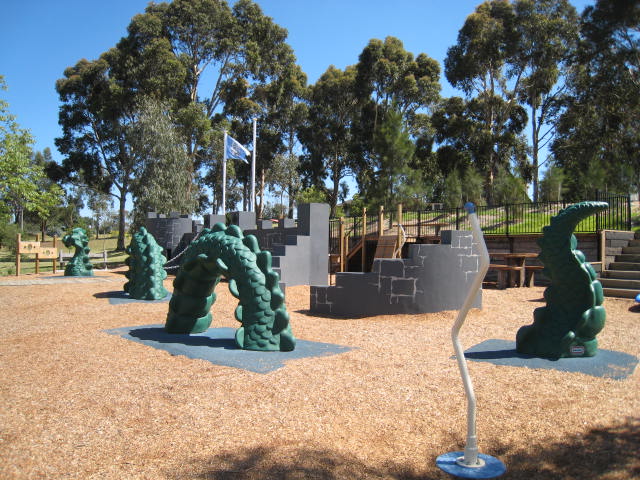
column 631, row 250
column 278, row 250
column 624, row 266
column 629, row 258
column 620, row 283
column 620, row 292
column 275, row 261
column 626, row 274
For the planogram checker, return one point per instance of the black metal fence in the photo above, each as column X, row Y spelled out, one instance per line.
column 513, row 219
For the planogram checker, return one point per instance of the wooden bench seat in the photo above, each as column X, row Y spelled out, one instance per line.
column 507, row 273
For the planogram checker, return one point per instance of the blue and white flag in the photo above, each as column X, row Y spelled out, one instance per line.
column 235, row 149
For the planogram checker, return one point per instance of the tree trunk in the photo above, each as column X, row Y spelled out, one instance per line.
column 261, row 195
column 291, row 199
column 121, row 222
column 534, row 153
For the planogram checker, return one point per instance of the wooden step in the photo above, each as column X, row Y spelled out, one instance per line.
column 620, row 292
column 620, row 283
column 626, row 274
column 628, row 258
column 624, row 266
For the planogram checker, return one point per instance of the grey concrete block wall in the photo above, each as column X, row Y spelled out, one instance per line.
column 168, row 231
column 300, row 252
column 434, row 278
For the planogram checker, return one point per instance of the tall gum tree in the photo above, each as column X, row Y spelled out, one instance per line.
column 599, row 130
column 327, row 136
column 546, row 35
column 477, row 65
column 391, row 79
column 94, row 116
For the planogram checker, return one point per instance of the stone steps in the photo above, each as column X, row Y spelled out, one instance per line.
column 622, row 278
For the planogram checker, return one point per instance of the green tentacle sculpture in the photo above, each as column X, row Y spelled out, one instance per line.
column 146, row 271
column 79, row 265
column 261, row 310
column 567, row 326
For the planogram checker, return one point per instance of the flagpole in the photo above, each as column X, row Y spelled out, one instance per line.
column 224, row 173
column 253, row 168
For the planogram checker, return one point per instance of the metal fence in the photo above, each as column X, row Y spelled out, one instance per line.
column 513, row 219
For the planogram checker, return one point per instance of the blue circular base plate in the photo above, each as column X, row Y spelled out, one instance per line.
column 492, row 466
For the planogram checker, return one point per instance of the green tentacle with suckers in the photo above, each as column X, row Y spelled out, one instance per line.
column 567, row 326
column 79, row 265
column 261, row 311
column 146, row 272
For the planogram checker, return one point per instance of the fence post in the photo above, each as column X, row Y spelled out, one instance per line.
column 17, row 255
column 55, row 248
column 628, row 222
column 598, row 196
column 342, row 246
column 38, row 255
column 419, row 221
column 364, row 238
column 381, row 221
column 399, row 233
column 506, row 209
column 457, row 218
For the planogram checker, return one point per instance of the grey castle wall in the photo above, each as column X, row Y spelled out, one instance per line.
column 300, row 252
column 434, row 278
column 168, row 231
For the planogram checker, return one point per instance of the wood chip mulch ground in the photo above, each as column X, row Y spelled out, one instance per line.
column 79, row 403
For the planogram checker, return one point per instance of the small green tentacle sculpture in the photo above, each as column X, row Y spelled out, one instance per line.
column 146, row 271
column 567, row 326
column 261, row 311
column 79, row 265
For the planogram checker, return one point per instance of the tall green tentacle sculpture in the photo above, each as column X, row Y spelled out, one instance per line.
column 146, row 271
column 567, row 326
column 79, row 265
column 261, row 311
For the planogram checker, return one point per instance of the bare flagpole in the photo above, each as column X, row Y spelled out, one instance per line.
column 253, row 167
column 224, row 173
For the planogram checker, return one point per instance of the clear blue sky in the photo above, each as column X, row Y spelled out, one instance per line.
column 40, row 38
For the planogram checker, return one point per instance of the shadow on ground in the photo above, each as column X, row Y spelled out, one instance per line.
column 609, row 452
column 304, row 464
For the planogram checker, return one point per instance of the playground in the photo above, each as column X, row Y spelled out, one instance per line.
column 82, row 402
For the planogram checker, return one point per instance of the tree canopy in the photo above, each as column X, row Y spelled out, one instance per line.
column 539, row 86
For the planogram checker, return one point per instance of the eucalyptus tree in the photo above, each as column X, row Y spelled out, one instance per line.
column 478, row 65
column 277, row 105
column 168, row 51
column 94, row 115
column 328, row 134
column 391, row 79
column 23, row 182
column 164, row 181
column 546, row 35
column 598, row 141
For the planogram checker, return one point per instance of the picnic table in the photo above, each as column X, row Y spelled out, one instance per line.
column 514, row 272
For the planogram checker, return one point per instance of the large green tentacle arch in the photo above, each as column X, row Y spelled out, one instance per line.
column 261, row 311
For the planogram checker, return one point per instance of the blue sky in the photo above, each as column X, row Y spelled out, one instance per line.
column 40, row 38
